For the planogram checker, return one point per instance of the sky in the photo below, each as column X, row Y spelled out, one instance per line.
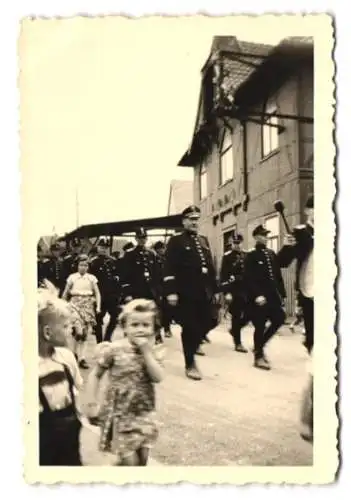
column 108, row 107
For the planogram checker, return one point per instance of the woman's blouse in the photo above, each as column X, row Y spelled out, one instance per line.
column 82, row 284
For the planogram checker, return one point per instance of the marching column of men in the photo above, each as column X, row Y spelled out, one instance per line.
column 181, row 278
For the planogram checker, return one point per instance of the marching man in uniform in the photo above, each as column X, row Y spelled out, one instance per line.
column 139, row 273
column 70, row 261
column 106, row 271
column 190, row 284
column 232, row 285
column 300, row 247
column 166, row 319
column 43, row 267
column 57, row 271
column 266, row 294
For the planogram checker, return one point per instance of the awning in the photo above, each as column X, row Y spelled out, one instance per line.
column 170, row 222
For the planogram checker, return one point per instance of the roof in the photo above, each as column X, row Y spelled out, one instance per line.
column 180, row 196
column 173, row 222
column 288, row 56
column 237, row 71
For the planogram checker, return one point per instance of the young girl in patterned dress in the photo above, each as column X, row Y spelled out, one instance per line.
column 59, row 381
column 85, row 300
column 127, row 414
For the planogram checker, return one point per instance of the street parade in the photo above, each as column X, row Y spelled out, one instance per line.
column 143, row 293
column 175, row 306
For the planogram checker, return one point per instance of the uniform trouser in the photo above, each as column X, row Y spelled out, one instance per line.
column 307, row 305
column 237, row 310
column 110, row 305
column 159, row 304
column 272, row 312
column 166, row 315
column 194, row 318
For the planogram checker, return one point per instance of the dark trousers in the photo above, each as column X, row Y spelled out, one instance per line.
column 272, row 312
column 237, row 310
column 307, row 305
column 110, row 305
column 59, row 441
column 166, row 315
column 194, row 318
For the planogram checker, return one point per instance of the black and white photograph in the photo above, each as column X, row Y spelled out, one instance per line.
column 169, row 175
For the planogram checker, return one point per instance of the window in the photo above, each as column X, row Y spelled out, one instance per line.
column 203, row 182
column 272, row 224
column 226, row 158
column 270, row 140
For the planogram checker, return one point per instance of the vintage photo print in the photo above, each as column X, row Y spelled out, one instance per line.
column 179, row 311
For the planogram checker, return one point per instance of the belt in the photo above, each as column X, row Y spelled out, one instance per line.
column 81, row 295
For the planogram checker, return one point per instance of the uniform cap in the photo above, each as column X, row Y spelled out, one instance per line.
column 260, row 231
column 192, row 210
column 127, row 246
column 103, row 243
column 141, row 233
column 237, row 237
column 159, row 244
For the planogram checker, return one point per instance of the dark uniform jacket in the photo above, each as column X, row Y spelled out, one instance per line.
column 160, row 264
column 262, row 275
column 232, row 272
column 106, row 270
column 43, row 270
column 57, row 274
column 70, row 265
column 304, row 245
column 139, row 276
column 189, row 270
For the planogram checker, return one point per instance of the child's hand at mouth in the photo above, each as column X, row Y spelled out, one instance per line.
column 141, row 342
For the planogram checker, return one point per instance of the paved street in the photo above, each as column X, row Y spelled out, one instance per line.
column 237, row 415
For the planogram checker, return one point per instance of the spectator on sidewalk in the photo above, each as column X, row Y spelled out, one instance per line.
column 127, row 414
column 84, row 295
column 59, row 382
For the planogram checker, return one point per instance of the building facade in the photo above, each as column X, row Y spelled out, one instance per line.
column 253, row 141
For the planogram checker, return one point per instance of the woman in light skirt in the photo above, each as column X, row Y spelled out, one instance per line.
column 83, row 293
